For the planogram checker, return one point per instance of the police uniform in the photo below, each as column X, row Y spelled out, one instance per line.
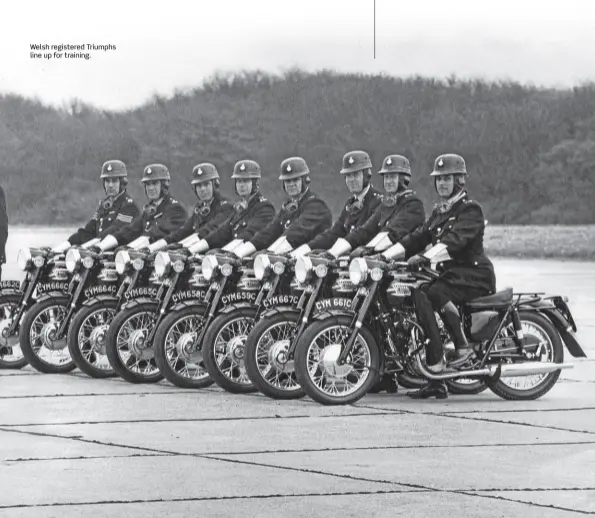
column 205, row 218
column 3, row 229
column 111, row 216
column 244, row 223
column 470, row 274
column 158, row 219
column 357, row 209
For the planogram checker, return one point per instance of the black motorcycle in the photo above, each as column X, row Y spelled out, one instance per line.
column 517, row 338
column 225, row 340
column 87, row 333
column 44, row 328
column 132, row 332
column 45, row 272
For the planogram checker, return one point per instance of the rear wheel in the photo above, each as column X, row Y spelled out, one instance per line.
column 178, row 356
column 266, row 358
column 548, row 348
column 223, row 350
column 11, row 354
column 87, row 338
column 37, row 336
column 316, row 365
column 128, row 350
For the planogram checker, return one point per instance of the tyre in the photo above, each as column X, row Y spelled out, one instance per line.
column 127, row 350
column 468, row 387
column 535, row 327
column 178, row 359
column 223, row 350
column 37, row 336
column 316, row 367
column 86, row 338
column 11, row 354
column 265, row 356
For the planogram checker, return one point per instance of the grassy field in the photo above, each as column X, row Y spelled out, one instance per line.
column 531, row 241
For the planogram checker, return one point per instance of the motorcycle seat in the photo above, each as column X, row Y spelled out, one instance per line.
column 498, row 299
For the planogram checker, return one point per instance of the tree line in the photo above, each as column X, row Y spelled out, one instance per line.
column 530, row 151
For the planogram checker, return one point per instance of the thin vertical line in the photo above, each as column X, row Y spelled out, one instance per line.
column 374, row 29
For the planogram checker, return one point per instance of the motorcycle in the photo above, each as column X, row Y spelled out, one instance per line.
column 44, row 328
column 131, row 335
column 45, row 272
column 271, row 343
column 517, row 338
column 87, row 332
column 262, row 287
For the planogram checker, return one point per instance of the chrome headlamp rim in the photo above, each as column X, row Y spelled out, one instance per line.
column 303, row 269
column 209, row 266
column 262, row 265
column 24, row 259
column 162, row 263
column 138, row 264
column 88, row 262
column 72, row 259
column 122, row 261
column 358, row 271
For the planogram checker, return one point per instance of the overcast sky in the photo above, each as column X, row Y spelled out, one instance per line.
column 163, row 45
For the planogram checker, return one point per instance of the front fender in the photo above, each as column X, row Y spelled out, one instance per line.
column 188, row 304
column 279, row 309
column 52, row 295
column 139, row 302
column 564, row 328
column 98, row 299
column 239, row 306
column 326, row 313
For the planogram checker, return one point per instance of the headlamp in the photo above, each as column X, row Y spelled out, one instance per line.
column 262, row 264
column 162, row 264
column 138, row 264
column 122, row 261
column 358, row 271
column 24, row 259
column 209, row 266
column 88, row 262
column 303, row 269
column 73, row 258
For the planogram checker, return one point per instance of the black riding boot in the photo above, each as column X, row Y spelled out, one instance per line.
column 435, row 388
column 452, row 322
column 427, row 320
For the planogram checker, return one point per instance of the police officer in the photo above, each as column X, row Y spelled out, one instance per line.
column 251, row 213
column 160, row 216
column 3, row 229
column 455, row 230
column 365, row 199
column 400, row 212
column 209, row 213
column 302, row 216
column 114, row 212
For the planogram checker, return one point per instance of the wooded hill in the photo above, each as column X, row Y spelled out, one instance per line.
column 530, row 152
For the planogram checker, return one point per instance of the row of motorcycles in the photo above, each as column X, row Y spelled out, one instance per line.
column 318, row 326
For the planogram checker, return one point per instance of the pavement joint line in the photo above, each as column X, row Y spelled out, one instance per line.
column 309, row 450
column 93, row 394
column 537, row 410
column 214, row 498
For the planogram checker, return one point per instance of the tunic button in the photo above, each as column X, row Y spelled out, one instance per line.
column 437, row 240
column 438, row 229
column 475, row 263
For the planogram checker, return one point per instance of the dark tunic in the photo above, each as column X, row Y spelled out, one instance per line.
column 348, row 221
column 107, row 220
column 310, row 219
column 243, row 225
column 221, row 209
column 399, row 220
column 169, row 215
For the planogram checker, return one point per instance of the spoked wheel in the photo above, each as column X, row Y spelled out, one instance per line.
column 11, row 354
column 223, row 350
column 127, row 347
column 41, row 347
column 543, row 342
column 316, row 365
column 267, row 361
column 87, row 337
column 178, row 355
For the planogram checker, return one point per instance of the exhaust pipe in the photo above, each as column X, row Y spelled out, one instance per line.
column 506, row 370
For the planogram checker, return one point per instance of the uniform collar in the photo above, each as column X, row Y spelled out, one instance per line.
column 363, row 194
column 446, row 206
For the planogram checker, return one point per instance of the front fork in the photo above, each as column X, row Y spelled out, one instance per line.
column 304, row 316
column 27, row 288
column 164, row 298
column 73, row 303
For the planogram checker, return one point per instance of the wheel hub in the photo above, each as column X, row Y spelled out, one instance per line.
column 235, row 348
column 98, row 337
column 48, row 336
column 278, row 356
column 328, row 360
column 185, row 346
column 138, row 346
column 5, row 339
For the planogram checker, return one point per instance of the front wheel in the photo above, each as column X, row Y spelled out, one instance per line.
column 537, row 330
column 41, row 347
column 11, row 354
column 178, row 356
column 267, row 362
column 223, row 350
column 128, row 351
column 87, row 337
column 316, row 365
